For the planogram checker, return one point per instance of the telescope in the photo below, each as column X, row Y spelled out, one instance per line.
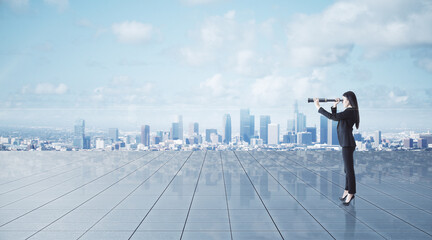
column 323, row 100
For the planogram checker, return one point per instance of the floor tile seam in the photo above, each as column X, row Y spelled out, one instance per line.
column 291, row 195
column 55, row 185
column 226, row 195
column 41, row 180
column 52, row 200
column 48, row 170
column 121, row 201
column 406, row 180
column 393, row 184
column 151, row 208
column 256, row 191
column 94, row 196
column 323, row 194
column 392, row 196
column 365, row 200
column 190, row 205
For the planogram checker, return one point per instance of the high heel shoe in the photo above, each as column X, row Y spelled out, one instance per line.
column 344, row 197
column 348, row 203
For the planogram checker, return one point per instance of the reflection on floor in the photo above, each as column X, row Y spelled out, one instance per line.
column 213, row 195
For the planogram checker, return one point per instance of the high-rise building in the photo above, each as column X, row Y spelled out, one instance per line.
column 290, row 137
column 252, row 126
column 226, row 129
column 426, row 136
column 175, row 131
column 245, row 127
column 180, row 127
column 291, row 125
column 408, row 143
column 304, row 138
column 79, row 134
column 209, row 132
column 300, row 124
column 193, row 129
column 323, row 129
column 332, row 138
column 145, row 135
column 313, row 131
column 422, row 143
column 377, row 138
column 113, row 134
column 264, row 122
column 273, row 134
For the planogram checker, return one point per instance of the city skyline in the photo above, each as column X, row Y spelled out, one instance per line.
column 121, row 64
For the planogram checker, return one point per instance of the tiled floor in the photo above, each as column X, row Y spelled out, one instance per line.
column 213, row 195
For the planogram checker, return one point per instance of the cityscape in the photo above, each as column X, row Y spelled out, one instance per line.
column 256, row 132
column 193, row 119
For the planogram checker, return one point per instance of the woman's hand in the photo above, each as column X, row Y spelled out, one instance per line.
column 336, row 103
column 316, row 101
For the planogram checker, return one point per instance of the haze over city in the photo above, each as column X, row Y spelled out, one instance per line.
column 125, row 64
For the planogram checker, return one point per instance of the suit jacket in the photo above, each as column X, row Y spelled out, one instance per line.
column 346, row 121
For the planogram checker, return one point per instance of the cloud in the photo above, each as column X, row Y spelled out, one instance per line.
column 275, row 90
column 376, row 26
column 17, row 4
column 423, row 58
column 45, row 89
column 122, row 90
column 133, row 32
column 219, row 38
column 214, row 85
column 61, row 5
column 198, row 2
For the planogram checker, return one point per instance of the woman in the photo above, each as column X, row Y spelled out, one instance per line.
column 346, row 121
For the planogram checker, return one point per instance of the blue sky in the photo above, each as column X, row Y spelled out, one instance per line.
column 127, row 63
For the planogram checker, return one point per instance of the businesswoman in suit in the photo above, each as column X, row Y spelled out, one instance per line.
column 346, row 120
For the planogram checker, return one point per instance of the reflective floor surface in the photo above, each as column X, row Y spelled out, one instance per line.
column 213, row 195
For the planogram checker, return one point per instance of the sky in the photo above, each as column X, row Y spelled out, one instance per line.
column 128, row 63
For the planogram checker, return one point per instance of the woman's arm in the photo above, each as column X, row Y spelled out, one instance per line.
column 336, row 116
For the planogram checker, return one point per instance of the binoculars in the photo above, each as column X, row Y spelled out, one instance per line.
column 323, row 100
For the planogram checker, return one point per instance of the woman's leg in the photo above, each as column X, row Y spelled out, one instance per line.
column 348, row 157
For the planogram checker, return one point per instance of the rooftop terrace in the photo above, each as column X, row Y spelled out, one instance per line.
column 213, row 195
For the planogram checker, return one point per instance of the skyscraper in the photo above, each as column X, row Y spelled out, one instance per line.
column 377, row 138
column 113, row 134
column 291, row 125
column 175, row 131
column 196, row 128
column 304, row 138
column 245, row 125
column 273, row 134
column 312, row 130
column 332, row 138
column 264, row 122
column 209, row 132
column 323, row 129
column 226, row 129
column 79, row 134
column 145, row 135
column 180, row 127
column 300, row 124
column 193, row 129
column 252, row 126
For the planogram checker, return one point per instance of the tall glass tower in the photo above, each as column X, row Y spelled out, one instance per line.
column 323, row 129
column 227, row 129
column 145, row 135
column 79, row 134
column 264, row 122
column 245, row 125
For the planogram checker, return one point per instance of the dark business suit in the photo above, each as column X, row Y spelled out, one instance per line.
column 346, row 121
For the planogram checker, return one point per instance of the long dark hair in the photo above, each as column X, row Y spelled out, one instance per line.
column 353, row 101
